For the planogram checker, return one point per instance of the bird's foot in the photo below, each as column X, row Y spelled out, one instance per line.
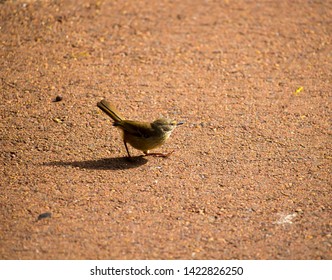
column 164, row 155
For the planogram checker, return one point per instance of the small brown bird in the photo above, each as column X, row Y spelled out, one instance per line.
column 143, row 136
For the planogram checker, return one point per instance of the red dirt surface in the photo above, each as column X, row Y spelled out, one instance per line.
column 251, row 174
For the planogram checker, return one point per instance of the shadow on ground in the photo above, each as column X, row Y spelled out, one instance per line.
column 120, row 163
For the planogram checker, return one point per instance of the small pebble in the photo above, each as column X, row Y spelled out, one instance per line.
column 57, row 120
column 44, row 215
column 57, row 98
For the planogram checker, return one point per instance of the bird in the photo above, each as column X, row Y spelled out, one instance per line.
column 143, row 136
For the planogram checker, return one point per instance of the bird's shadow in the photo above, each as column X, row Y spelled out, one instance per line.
column 119, row 163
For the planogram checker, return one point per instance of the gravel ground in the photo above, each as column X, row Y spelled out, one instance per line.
column 250, row 177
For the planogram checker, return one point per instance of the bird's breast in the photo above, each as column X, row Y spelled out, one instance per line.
column 145, row 144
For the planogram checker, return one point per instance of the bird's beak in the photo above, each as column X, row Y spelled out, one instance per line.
column 179, row 123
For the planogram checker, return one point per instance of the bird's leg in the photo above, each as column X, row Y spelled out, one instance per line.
column 165, row 155
column 129, row 156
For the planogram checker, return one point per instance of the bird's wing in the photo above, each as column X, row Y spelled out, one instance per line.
column 138, row 129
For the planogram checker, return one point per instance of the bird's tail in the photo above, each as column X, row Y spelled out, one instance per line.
column 109, row 110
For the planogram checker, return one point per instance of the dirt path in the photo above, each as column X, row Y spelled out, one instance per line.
column 251, row 174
